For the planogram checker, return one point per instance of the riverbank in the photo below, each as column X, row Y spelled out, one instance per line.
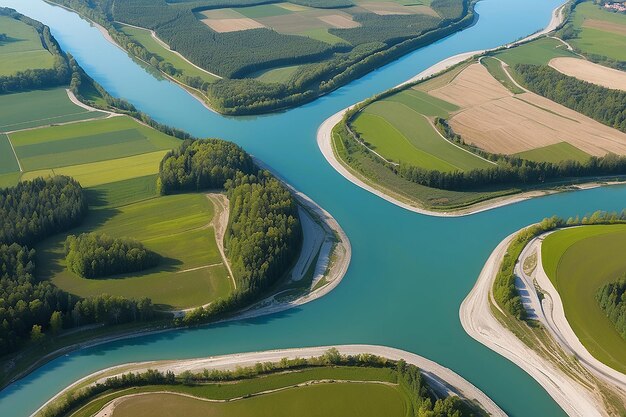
column 326, row 146
column 443, row 380
column 567, row 382
column 551, row 314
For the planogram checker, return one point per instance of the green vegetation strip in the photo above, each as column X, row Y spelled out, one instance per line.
column 578, row 282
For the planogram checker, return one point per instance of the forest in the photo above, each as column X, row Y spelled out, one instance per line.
column 34, row 210
column 93, row 255
column 29, row 307
column 36, row 78
column 202, row 164
column 612, row 300
column 236, row 55
column 263, row 236
column 602, row 104
column 422, row 400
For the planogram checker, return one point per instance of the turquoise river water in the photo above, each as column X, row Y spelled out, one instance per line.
column 409, row 273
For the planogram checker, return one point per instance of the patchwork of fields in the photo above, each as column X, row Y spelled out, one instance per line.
column 22, row 49
column 601, row 248
column 600, row 32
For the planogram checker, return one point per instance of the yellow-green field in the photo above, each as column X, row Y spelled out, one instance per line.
column 86, row 142
column 22, row 49
column 579, row 261
column 176, row 227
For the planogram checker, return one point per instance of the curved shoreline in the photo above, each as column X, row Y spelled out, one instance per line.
column 552, row 315
column 441, row 379
column 478, row 321
column 325, row 144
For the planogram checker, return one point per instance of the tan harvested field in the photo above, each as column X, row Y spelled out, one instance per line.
column 232, row 25
column 493, row 119
column 389, row 8
column 292, row 7
column 605, row 26
column 340, row 21
column 590, row 72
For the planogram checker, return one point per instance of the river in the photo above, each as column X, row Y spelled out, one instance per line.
column 409, row 273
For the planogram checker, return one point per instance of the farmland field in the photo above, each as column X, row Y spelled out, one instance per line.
column 144, row 37
column 8, row 163
column 494, row 66
column 40, row 108
column 555, row 153
column 345, row 399
column 276, row 75
column 601, row 248
column 177, row 227
column 86, row 142
column 591, row 72
column 538, row 52
column 601, row 32
column 247, row 387
column 22, row 49
column 398, row 129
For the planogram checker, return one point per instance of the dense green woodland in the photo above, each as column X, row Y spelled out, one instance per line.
column 36, row 78
column 92, row 255
column 236, row 55
column 33, row 210
column 602, row 104
column 30, row 212
column 263, row 235
column 422, row 400
column 612, row 300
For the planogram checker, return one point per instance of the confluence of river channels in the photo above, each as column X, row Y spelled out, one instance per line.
column 409, row 273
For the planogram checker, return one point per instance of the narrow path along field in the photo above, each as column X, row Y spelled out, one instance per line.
column 590, row 72
column 220, row 223
column 576, row 397
column 550, row 312
column 443, row 380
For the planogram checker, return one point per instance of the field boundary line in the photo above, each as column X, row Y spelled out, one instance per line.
column 199, row 267
column 454, row 144
column 19, row 164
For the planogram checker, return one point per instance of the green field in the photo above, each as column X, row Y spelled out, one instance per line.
column 345, row 399
column 601, row 32
column 538, row 52
column 8, row 163
column 144, row 37
column 276, row 75
column 87, row 142
column 321, row 34
column 177, row 227
column 39, row 108
column 264, row 10
column 23, row 49
column 397, row 128
column 494, row 67
column 555, row 153
column 114, row 194
column 602, row 249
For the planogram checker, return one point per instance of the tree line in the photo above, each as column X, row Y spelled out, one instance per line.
column 30, row 79
column 602, row 104
column 39, row 208
column 611, row 298
column 263, row 234
column 94, row 255
column 31, row 308
column 424, row 402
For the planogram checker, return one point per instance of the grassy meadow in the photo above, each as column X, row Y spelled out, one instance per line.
column 399, row 129
column 346, row 398
column 38, row 108
column 494, row 66
column 22, row 49
column 144, row 37
column 601, row 249
column 537, row 52
column 176, row 227
column 555, row 153
column 600, row 32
